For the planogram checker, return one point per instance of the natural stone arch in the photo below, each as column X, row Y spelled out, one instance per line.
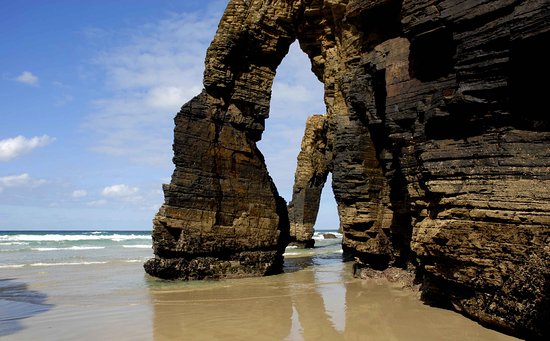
column 442, row 172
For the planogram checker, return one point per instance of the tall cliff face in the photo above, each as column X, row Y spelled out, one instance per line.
column 439, row 143
column 441, row 148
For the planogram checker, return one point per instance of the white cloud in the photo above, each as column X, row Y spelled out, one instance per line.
column 14, row 180
column 27, row 78
column 157, row 69
column 119, row 191
column 13, row 147
column 123, row 194
column 79, row 193
column 170, row 97
column 17, row 181
column 97, row 203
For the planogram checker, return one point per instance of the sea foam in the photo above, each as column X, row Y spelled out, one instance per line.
column 69, row 237
column 68, row 248
column 66, row 263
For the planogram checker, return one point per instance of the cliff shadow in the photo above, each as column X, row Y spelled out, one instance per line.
column 18, row 303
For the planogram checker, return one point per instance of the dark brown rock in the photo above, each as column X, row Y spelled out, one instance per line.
column 439, row 144
column 441, row 152
column 222, row 215
column 311, row 174
column 329, row 236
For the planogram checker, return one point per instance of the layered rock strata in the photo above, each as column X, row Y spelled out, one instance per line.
column 441, row 148
column 222, row 215
column 439, row 140
column 311, row 174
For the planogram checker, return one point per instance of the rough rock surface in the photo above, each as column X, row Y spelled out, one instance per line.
column 439, row 140
column 311, row 174
column 222, row 215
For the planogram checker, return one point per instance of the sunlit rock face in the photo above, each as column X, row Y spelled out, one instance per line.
column 438, row 144
column 314, row 162
column 222, row 215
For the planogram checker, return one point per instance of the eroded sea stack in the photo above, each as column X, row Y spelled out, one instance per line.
column 437, row 137
column 314, row 162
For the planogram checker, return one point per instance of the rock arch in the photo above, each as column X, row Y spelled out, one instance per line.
column 440, row 170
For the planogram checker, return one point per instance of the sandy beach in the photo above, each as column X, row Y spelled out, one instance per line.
column 107, row 297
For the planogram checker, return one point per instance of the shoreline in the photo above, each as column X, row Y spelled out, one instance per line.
column 322, row 302
column 317, row 297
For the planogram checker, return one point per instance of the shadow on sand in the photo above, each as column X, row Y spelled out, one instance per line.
column 18, row 303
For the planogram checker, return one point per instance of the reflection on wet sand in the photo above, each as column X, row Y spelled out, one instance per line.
column 315, row 290
column 246, row 309
column 316, row 299
column 320, row 302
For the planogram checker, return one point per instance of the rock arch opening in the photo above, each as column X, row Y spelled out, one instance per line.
column 298, row 158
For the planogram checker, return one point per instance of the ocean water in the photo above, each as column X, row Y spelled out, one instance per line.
column 77, row 248
column 60, row 285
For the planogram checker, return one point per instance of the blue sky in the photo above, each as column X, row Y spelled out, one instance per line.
column 88, row 92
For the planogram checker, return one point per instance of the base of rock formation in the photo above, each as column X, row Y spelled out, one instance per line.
column 307, row 244
column 400, row 278
column 243, row 264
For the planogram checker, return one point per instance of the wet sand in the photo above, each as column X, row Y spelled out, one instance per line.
column 317, row 299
